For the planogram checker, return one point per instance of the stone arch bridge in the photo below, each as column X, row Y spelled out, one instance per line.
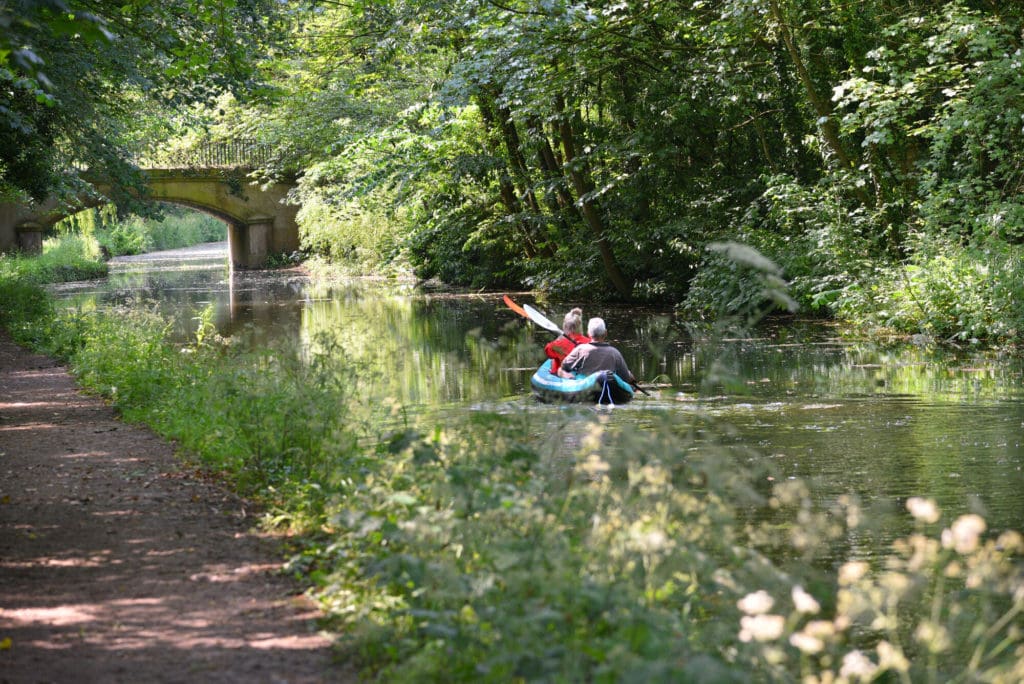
column 260, row 221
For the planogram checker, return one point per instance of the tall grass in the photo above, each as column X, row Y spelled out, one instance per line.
column 489, row 550
column 64, row 258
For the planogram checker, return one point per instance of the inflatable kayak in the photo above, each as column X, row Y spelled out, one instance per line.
column 603, row 387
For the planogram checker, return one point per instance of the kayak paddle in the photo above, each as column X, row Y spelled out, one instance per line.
column 532, row 314
column 515, row 307
column 540, row 319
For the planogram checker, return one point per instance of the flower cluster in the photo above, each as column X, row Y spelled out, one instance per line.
column 937, row 609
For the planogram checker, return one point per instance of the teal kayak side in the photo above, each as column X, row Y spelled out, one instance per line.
column 602, row 387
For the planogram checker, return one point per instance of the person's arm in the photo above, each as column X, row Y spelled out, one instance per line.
column 623, row 370
column 568, row 363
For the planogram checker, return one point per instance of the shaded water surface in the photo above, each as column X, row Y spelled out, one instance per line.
column 885, row 423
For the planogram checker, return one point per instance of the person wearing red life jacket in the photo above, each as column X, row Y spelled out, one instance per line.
column 571, row 336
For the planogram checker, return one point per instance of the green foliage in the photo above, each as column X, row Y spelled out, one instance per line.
column 943, row 608
column 175, row 229
column 589, row 150
column 23, row 301
column 482, row 551
column 87, row 222
column 962, row 294
column 81, row 83
column 64, row 259
column 736, row 287
column 170, row 227
column 597, row 150
column 359, row 235
column 126, row 237
column 271, row 420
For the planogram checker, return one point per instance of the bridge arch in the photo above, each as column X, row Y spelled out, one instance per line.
column 260, row 220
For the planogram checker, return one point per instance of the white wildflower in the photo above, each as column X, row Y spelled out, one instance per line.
column 804, row 602
column 761, row 627
column 935, row 637
column 650, row 541
column 923, row 509
column 856, row 665
column 891, row 657
column 852, row 571
column 806, row 643
column 595, row 466
column 821, row 629
column 963, row 536
column 756, row 603
column 1011, row 541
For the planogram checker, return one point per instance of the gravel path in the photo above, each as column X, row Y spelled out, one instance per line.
column 117, row 565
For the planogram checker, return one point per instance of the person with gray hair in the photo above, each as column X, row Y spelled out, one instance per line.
column 596, row 355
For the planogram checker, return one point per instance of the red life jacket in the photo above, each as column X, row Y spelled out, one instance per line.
column 560, row 347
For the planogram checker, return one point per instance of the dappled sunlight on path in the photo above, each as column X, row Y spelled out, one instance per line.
column 115, row 565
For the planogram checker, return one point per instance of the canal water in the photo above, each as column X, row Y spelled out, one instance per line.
column 884, row 422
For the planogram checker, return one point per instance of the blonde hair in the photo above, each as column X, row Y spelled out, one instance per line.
column 573, row 321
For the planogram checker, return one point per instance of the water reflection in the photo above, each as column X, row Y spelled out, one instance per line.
column 883, row 422
column 254, row 308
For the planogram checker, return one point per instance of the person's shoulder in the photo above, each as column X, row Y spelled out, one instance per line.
column 580, row 348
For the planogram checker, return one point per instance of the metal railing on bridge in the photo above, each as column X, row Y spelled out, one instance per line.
column 209, row 154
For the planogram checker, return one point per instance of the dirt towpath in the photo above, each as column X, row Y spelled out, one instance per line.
column 116, row 565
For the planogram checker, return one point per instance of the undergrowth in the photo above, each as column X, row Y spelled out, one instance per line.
column 64, row 259
column 487, row 550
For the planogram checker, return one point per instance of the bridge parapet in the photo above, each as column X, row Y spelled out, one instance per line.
column 241, row 153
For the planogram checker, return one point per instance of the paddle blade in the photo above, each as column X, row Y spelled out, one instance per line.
column 515, row 307
column 540, row 319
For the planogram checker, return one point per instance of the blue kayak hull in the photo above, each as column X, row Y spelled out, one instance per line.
column 603, row 387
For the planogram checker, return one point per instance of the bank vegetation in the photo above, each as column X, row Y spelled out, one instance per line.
column 481, row 549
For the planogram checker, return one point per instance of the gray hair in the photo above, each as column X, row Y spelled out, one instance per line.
column 596, row 327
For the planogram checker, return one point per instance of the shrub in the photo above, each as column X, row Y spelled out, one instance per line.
column 945, row 291
column 176, row 229
column 64, row 259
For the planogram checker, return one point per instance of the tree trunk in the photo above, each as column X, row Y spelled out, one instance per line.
column 821, row 105
column 583, row 184
column 506, row 189
column 641, row 201
column 513, row 146
column 552, row 169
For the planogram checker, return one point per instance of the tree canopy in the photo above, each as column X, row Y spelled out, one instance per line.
column 83, row 83
column 600, row 145
column 594, row 147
